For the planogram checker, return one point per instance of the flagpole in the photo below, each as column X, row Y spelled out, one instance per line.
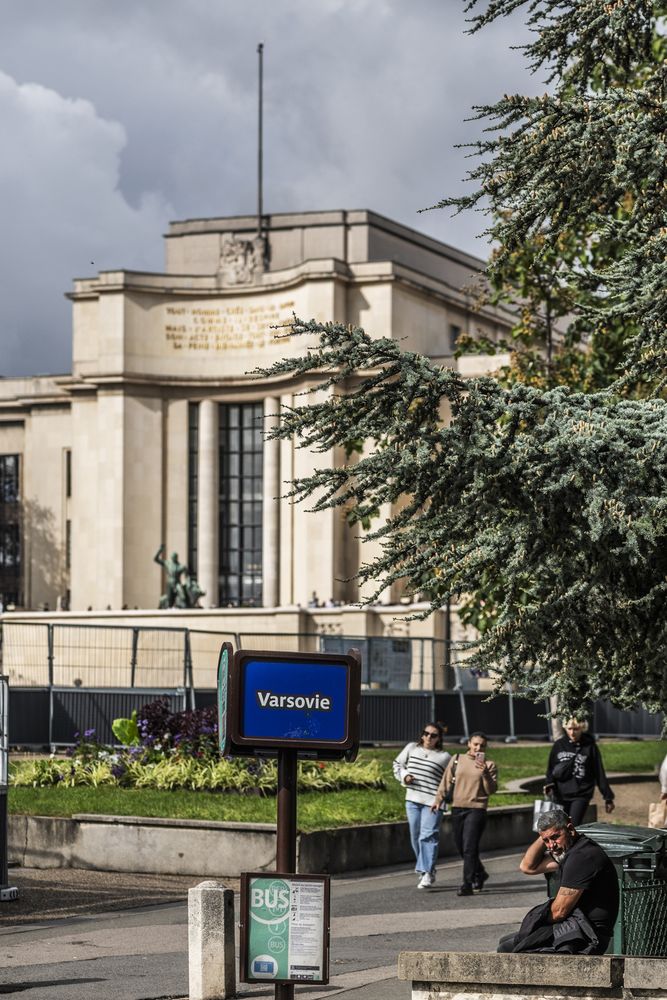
column 260, row 53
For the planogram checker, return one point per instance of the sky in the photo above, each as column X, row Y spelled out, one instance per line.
column 119, row 116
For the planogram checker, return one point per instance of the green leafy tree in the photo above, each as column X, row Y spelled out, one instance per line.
column 559, row 491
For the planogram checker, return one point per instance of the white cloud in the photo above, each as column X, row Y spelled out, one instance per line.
column 117, row 117
column 63, row 216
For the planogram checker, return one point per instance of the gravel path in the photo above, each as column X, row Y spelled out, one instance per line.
column 632, row 800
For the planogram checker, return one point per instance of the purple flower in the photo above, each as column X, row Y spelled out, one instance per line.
column 118, row 770
column 88, row 734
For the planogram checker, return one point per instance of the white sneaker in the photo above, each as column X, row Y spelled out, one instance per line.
column 426, row 881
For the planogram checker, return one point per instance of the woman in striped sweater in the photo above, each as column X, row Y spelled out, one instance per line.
column 420, row 766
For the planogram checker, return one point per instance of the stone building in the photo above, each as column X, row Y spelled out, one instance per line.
column 156, row 436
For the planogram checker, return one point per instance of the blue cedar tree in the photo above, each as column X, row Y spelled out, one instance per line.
column 560, row 491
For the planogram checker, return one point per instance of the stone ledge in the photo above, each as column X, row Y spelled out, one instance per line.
column 534, row 785
column 645, row 973
column 488, row 968
column 200, row 824
column 207, row 848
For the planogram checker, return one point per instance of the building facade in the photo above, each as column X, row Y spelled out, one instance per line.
column 157, row 436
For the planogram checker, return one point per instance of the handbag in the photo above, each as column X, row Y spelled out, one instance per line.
column 540, row 806
column 448, row 797
column 657, row 814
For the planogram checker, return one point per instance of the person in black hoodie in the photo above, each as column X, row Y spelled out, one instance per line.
column 575, row 767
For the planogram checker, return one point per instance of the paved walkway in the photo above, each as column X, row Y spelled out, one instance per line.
column 77, row 935
column 141, row 953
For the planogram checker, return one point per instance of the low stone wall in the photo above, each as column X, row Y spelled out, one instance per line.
column 209, row 849
column 484, row 976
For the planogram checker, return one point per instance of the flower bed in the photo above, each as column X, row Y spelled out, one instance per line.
column 179, row 750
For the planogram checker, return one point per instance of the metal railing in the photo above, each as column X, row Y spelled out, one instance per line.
column 71, row 677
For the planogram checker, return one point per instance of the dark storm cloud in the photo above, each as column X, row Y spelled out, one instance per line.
column 118, row 117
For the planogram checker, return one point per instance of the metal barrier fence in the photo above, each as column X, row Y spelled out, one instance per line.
column 66, row 678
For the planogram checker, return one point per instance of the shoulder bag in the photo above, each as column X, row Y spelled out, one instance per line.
column 449, row 794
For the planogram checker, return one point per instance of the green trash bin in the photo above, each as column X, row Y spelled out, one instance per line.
column 639, row 856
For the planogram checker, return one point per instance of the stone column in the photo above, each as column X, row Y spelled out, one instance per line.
column 369, row 550
column 271, row 509
column 211, row 942
column 207, row 503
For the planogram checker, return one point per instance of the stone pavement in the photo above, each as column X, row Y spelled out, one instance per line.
column 84, row 935
column 140, row 953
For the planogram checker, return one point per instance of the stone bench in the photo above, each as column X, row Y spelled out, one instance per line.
column 455, row 975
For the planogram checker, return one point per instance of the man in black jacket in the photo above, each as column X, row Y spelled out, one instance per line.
column 575, row 767
column 580, row 918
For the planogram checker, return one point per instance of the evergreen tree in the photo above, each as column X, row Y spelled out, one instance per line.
column 561, row 492
column 586, row 160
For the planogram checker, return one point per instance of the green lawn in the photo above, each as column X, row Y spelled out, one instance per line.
column 316, row 810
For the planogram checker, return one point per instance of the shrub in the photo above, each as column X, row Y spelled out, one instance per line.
column 168, row 750
column 193, row 732
column 129, row 769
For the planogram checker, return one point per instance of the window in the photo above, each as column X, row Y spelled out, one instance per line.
column 454, row 334
column 68, row 473
column 68, row 545
column 193, row 484
column 10, row 530
column 9, row 479
column 240, row 504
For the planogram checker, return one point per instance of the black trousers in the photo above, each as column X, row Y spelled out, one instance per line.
column 575, row 808
column 468, row 826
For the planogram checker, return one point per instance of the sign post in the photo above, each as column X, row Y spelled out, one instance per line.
column 287, row 705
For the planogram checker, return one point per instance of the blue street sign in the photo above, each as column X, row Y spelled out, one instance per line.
column 294, row 700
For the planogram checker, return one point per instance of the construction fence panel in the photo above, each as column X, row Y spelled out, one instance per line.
column 160, row 659
column 204, row 652
column 25, row 653
column 296, row 642
column 87, row 656
column 75, row 711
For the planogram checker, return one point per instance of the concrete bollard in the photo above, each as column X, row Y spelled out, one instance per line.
column 211, row 942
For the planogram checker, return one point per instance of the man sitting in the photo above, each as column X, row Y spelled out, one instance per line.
column 580, row 919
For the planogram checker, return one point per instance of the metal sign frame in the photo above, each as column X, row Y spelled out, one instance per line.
column 235, row 742
column 245, row 960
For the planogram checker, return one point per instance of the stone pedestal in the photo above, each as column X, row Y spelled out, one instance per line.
column 212, row 972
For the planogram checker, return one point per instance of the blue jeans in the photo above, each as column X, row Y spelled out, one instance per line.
column 424, row 834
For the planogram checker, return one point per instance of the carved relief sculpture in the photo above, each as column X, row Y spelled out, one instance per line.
column 241, row 261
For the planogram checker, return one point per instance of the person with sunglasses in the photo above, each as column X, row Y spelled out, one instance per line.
column 420, row 766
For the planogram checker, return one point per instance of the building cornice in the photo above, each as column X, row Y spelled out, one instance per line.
column 316, row 270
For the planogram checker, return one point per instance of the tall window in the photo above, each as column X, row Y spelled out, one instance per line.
column 241, row 446
column 68, row 545
column 193, row 476
column 10, row 530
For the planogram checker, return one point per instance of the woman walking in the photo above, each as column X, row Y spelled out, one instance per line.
column 420, row 767
column 469, row 780
column 574, row 769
